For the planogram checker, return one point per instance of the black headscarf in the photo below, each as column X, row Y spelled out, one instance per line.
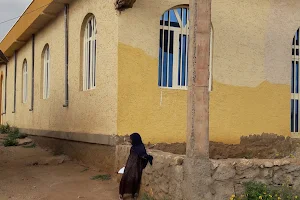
column 139, row 148
column 136, row 139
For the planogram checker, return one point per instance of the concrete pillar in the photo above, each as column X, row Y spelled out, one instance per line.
column 198, row 97
column 197, row 167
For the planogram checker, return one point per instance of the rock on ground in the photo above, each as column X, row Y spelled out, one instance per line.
column 24, row 141
column 50, row 160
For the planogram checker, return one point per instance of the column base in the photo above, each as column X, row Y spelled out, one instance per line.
column 197, row 179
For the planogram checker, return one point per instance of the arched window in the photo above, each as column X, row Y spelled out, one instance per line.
column 89, row 54
column 46, row 72
column 173, row 48
column 25, row 81
column 295, row 85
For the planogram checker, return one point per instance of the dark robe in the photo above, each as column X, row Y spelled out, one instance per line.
column 137, row 161
column 131, row 179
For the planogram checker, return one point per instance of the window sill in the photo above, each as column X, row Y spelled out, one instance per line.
column 184, row 89
column 173, row 88
column 89, row 89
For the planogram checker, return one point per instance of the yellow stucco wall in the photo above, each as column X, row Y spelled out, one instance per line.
column 93, row 111
column 250, row 94
column 251, row 73
column 160, row 114
column 237, row 111
column 157, row 114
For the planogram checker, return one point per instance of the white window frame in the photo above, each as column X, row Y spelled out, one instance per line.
column 46, row 75
column 295, row 87
column 182, row 30
column 89, row 54
column 25, row 81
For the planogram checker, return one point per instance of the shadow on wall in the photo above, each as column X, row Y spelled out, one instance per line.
column 94, row 155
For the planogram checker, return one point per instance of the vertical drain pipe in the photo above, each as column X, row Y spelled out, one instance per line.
column 66, row 56
column 5, row 94
column 32, row 80
column 15, row 80
column 5, row 89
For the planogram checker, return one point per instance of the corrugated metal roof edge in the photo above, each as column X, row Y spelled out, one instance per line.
column 33, row 14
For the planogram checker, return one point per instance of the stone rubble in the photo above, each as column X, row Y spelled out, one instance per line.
column 53, row 160
column 24, row 141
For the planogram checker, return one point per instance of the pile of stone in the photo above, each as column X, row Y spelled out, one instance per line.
column 25, row 142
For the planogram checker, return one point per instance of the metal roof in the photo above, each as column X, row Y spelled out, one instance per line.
column 35, row 17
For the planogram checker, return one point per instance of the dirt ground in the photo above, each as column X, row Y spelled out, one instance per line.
column 20, row 179
column 263, row 146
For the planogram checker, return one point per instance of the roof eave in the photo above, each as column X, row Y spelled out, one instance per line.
column 3, row 59
column 35, row 17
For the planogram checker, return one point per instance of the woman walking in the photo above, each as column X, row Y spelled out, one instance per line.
column 136, row 163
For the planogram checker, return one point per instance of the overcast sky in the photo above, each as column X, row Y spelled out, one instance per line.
column 10, row 9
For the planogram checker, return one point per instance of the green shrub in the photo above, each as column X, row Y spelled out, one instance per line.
column 101, row 177
column 5, row 129
column 255, row 190
column 259, row 191
column 15, row 133
column 10, row 142
column 146, row 197
column 30, row 146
